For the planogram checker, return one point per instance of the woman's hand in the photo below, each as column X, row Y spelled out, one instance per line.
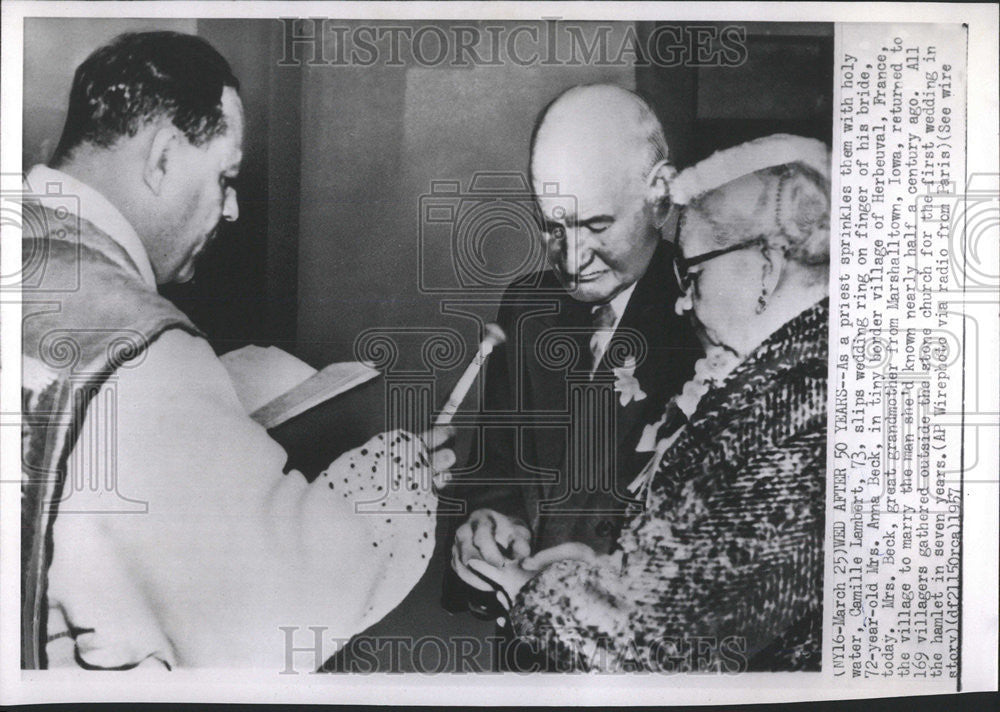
column 509, row 579
column 571, row 550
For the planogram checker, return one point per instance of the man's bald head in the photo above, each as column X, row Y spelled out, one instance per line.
column 600, row 175
column 604, row 119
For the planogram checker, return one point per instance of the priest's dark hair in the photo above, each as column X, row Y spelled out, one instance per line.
column 144, row 76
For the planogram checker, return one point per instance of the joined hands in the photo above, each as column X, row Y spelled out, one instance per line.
column 493, row 552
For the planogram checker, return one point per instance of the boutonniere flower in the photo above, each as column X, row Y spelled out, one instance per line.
column 626, row 384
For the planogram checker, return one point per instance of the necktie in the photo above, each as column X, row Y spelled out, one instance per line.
column 604, row 320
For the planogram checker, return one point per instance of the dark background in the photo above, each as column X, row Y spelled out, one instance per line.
column 338, row 161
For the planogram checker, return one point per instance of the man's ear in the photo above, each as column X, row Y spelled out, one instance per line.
column 658, row 191
column 158, row 157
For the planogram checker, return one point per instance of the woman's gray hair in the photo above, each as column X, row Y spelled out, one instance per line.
column 776, row 187
column 791, row 207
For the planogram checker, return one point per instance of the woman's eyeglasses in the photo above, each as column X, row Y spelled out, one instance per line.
column 682, row 266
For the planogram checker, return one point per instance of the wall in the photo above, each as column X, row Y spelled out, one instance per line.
column 373, row 140
column 784, row 85
column 245, row 286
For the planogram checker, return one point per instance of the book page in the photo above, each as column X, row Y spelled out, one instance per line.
column 333, row 380
column 261, row 374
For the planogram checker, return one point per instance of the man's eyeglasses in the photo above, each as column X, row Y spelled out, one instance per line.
column 682, row 266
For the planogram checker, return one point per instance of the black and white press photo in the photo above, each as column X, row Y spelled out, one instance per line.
column 364, row 346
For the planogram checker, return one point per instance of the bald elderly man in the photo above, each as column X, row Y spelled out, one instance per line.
column 599, row 169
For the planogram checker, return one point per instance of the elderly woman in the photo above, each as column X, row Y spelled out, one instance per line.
column 723, row 569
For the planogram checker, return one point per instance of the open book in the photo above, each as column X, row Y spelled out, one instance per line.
column 274, row 386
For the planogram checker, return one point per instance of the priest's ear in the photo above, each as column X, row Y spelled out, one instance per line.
column 159, row 154
column 658, row 191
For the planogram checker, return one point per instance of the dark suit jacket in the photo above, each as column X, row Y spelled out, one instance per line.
column 560, row 451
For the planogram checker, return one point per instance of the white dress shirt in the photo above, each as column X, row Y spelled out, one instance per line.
column 603, row 336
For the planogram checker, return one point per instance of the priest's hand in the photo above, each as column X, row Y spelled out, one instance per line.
column 442, row 457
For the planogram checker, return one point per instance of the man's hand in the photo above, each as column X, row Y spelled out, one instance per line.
column 491, row 537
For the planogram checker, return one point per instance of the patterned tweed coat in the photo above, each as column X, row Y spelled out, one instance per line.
column 723, row 570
